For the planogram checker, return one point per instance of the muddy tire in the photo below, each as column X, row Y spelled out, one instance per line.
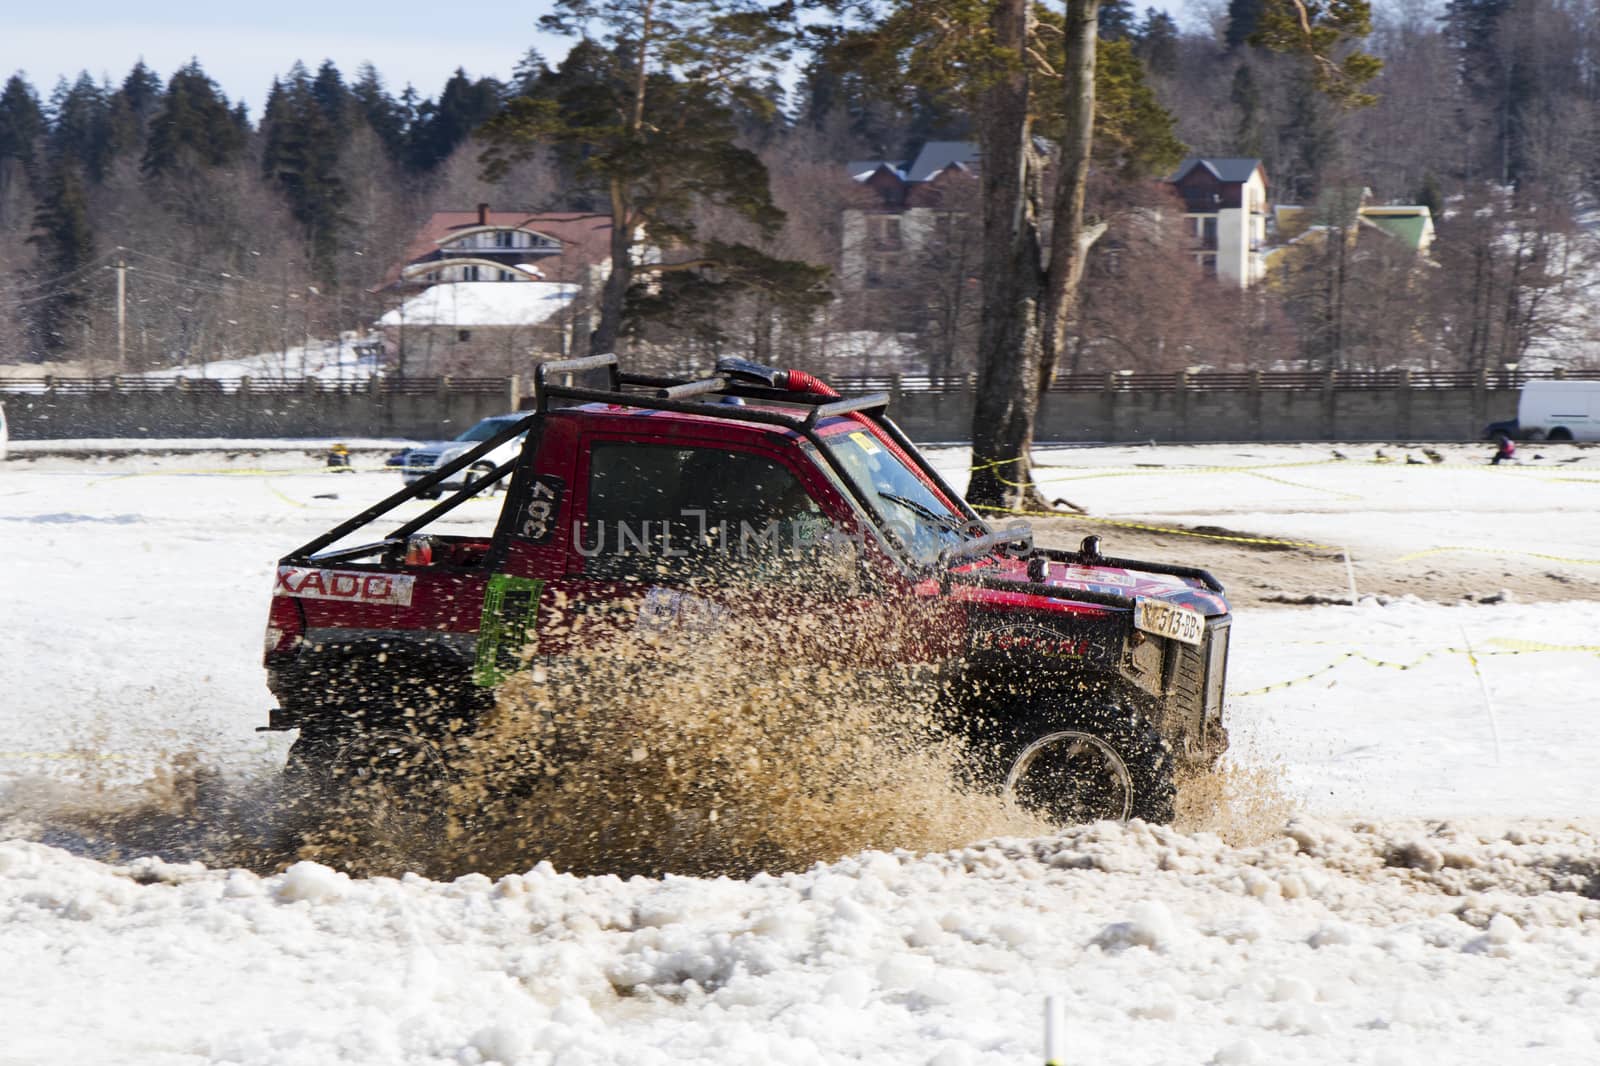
column 1071, row 765
column 334, row 765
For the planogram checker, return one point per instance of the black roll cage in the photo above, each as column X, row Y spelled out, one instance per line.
column 682, row 396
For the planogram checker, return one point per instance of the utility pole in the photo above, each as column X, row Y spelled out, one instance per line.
column 122, row 313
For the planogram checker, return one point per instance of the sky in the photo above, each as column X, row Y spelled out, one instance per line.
column 243, row 47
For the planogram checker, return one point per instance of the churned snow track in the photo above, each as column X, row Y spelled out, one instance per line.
column 133, row 593
column 1401, row 944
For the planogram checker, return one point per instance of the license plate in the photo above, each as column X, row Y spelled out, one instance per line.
column 1169, row 620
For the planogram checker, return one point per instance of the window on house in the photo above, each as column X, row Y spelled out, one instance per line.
column 1208, row 232
column 469, row 273
column 884, row 230
column 463, row 335
column 506, row 275
column 1208, row 265
column 882, row 271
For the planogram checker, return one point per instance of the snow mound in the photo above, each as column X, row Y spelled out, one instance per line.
column 883, row 956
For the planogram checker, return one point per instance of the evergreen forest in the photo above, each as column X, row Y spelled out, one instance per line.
column 241, row 232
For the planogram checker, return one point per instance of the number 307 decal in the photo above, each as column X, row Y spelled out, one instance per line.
column 540, row 512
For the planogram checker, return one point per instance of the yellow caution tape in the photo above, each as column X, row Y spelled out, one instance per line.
column 1298, row 485
column 282, row 496
column 1512, row 647
column 1523, row 647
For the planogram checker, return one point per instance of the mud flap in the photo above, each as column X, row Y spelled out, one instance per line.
column 510, row 617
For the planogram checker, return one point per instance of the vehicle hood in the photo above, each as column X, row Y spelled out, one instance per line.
column 1128, row 582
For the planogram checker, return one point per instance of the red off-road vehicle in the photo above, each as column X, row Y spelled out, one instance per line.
column 1080, row 680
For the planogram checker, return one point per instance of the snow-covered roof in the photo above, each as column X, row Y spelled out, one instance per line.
column 1228, row 169
column 483, row 303
column 862, row 169
column 937, row 155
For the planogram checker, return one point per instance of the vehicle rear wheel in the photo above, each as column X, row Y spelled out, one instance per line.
column 1070, row 765
column 1561, row 433
column 332, row 766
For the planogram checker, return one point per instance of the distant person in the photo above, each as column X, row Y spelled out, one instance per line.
column 1507, row 449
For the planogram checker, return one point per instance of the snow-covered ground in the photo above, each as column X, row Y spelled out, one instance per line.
column 1437, row 898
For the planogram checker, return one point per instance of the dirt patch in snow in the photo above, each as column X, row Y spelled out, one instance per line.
column 1273, row 575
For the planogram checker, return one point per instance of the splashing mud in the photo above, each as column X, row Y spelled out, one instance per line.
column 698, row 747
column 1243, row 805
column 697, row 750
column 187, row 811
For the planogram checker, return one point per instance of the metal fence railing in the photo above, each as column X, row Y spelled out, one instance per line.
column 132, row 384
column 1114, row 381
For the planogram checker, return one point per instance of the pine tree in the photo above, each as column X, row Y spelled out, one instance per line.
column 1244, row 18
column 22, row 122
column 1246, row 96
column 65, row 244
column 300, row 155
column 1133, row 134
column 82, row 132
column 132, row 107
column 530, row 72
column 1116, row 20
column 1157, row 42
column 382, row 113
column 328, row 90
column 193, row 126
column 646, row 114
column 142, row 90
column 462, row 107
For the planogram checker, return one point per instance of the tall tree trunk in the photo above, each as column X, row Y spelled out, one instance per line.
column 1070, row 239
column 614, row 294
column 1008, row 332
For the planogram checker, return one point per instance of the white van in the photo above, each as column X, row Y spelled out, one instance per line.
column 1560, row 410
column 5, row 434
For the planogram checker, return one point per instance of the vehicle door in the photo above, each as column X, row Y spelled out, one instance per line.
column 672, row 531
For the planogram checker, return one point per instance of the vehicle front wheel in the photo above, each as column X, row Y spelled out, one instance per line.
column 483, row 470
column 1069, row 765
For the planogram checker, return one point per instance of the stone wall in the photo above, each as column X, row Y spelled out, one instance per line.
column 314, row 411
column 1115, row 413
column 1229, row 415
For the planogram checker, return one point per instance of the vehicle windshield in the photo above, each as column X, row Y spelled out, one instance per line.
column 486, row 429
column 904, row 503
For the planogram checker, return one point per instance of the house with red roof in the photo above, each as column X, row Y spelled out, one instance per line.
column 486, row 291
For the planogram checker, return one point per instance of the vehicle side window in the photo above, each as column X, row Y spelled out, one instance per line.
column 663, row 511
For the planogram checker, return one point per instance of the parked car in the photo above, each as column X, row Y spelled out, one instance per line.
column 1082, row 679
column 1506, row 427
column 425, row 459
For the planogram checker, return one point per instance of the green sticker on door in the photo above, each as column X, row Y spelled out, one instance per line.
column 510, row 614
